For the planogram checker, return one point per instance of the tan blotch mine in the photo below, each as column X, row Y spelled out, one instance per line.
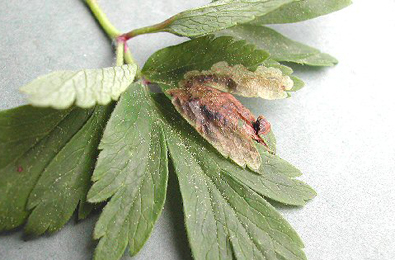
column 267, row 83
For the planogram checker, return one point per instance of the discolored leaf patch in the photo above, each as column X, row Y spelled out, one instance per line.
column 223, row 121
column 267, row 83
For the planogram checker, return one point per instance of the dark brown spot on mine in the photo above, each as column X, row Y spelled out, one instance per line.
column 231, row 84
column 261, row 126
column 202, row 79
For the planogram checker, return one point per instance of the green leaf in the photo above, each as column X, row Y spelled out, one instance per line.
column 270, row 141
column 298, row 84
column 277, row 175
column 85, row 88
column 132, row 172
column 65, row 181
column 219, row 15
column 30, row 139
column 225, row 214
column 25, row 119
column 319, row 59
column 302, row 10
column 275, row 64
column 280, row 47
column 168, row 66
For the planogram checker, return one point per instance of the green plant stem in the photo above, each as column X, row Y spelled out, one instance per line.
column 128, row 56
column 112, row 32
column 160, row 27
column 101, row 17
column 120, row 53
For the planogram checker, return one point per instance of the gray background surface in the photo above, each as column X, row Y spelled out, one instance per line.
column 339, row 129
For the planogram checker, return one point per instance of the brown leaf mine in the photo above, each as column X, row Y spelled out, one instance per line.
column 222, row 120
column 267, row 83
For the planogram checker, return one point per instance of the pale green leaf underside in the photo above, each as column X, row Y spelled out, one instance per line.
column 131, row 172
column 84, row 88
column 220, row 15
column 302, row 10
column 225, row 213
column 280, row 47
column 168, row 66
column 30, row 139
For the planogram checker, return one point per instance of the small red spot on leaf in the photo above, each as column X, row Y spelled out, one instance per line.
column 19, row 169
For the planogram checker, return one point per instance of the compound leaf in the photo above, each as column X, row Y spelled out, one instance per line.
column 132, row 172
